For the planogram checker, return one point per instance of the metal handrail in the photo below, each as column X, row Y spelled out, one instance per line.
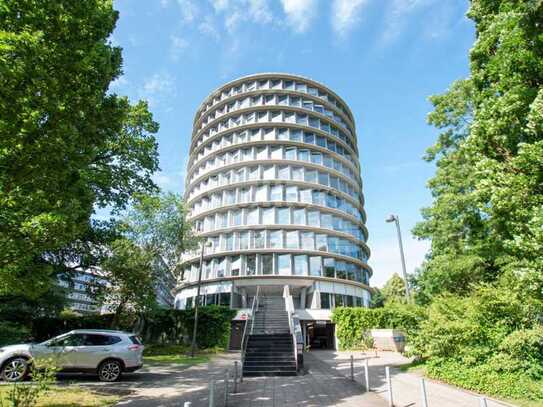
column 249, row 320
column 289, row 306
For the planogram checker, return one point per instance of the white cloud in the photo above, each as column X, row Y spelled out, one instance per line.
column 189, row 10
column 178, row 45
column 119, row 83
column 236, row 12
column 299, row 13
column 208, row 27
column 157, row 88
column 346, row 14
column 396, row 18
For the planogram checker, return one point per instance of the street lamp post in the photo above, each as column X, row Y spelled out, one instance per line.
column 193, row 347
column 396, row 220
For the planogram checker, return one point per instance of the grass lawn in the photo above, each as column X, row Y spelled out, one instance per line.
column 178, row 354
column 67, row 397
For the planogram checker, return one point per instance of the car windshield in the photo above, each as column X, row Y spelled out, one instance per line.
column 56, row 339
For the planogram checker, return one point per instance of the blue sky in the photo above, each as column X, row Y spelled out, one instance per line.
column 383, row 57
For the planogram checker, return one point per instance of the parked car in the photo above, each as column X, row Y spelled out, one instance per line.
column 103, row 352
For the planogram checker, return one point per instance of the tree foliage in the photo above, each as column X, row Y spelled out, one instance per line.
column 486, row 220
column 67, row 145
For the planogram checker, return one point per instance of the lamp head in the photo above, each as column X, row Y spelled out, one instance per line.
column 390, row 219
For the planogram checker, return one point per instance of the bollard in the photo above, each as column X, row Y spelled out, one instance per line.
column 423, row 393
column 211, row 393
column 226, row 380
column 389, row 386
column 482, row 402
column 352, row 368
column 366, row 374
column 235, row 377
column 187, row 404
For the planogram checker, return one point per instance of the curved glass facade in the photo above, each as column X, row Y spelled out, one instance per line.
column 274, row 182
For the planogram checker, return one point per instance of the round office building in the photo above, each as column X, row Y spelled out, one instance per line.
column 273, row 183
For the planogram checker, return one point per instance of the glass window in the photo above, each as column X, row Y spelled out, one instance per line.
column 267, row 263
column 305, row 195
column 326, row 220
column 303, row 155
column 283, row 172
column 309, row 138
column 292, row 193
column 269, row 172
column 220, row 269
column 262, row 153
column 250, row 265
column 308, row 241
column 291, row 240
column 295, row 135
column 316, row 158
column 313, row 218
column 244, row 240
column 341, row 270
column 321, row 242
column 247, row 154
column 300, row 265
column 235, row 219
column 253, row 173
column 244, row 195
column 276, row 192
column 276, row 239
column 282, row 134
column 221, row 221
column 283, row 216
column 339, row 300
column 268, row 216
column 310, row 175
column 276, row 153
column 261, row 193
column 297, row 173
column 298, row 216
column 329, row 267
column 290, row 153
column 283, row 264
column 229, row 197
column 235, row 266
column 259, row 239
column 325, row 301
column 315, row 266
column 229, row 242
column 252, row 216
column 321, row 141
column 323, row 178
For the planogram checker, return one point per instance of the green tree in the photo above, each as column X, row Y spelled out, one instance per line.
column 131, row 276
column 158, row 224
column 67, row 145
column 394, row 290
column 486, row 220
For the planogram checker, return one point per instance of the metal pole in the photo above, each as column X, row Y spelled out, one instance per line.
column 389, row 387
column 226, row 380
column 194, row 330
column 235, row 377
column 352, row 368
column 423, row 393
column 366, row 374
column 397, row 222
column 482, row 402
column 211, row 393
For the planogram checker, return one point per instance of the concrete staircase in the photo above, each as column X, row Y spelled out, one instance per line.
column 270, row 351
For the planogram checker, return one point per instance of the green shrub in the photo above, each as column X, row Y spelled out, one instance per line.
column 353, row 324
column 12, row 333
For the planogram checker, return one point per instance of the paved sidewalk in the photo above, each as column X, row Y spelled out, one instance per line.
column 405, row 386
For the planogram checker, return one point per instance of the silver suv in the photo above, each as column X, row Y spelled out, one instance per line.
column 104, row 352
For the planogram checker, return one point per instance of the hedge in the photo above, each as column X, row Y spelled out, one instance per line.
column 353, row 324
column 161, row 326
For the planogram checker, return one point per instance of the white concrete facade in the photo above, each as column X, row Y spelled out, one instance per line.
column 274, row 181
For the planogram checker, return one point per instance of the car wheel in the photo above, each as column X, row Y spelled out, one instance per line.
column 15, row 370
column 110, row 370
